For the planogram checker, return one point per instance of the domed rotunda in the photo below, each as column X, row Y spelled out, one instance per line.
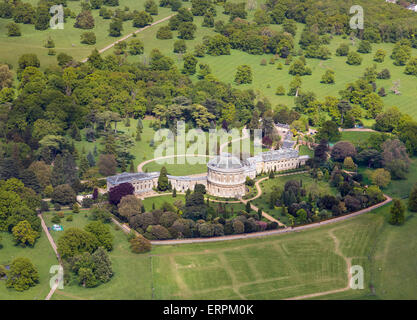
column 226, row 176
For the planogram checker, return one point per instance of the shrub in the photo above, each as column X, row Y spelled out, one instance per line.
column 140, row 245
column 63, row 194
column 88, row 38
column 69, row 218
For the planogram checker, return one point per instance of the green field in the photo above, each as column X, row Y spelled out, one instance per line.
column 274, row 267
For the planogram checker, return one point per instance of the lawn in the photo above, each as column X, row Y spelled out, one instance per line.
column 43, row 258
column 355, row 137
column 158, row 201
column 304, row 150
column 317, row 187
column 131, row 271
column 68, row 39
column 179, row 166
column 275, row 267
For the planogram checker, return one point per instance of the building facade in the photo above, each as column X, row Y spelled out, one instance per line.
column 226, row 174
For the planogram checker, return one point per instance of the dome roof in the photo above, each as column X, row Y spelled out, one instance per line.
column 226, row 161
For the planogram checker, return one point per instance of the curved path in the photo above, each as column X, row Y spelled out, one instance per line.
column 222, row 146
column 388, row 199
column 142, row 164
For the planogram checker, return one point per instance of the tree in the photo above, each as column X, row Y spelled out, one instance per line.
column 163, row 183
column 22, row 275
column 88, row 38
column 139, row 244
column 395, row 158
column 151, row 7
column 218, row 45
column 379, row 56
column 349, row 164
column 186, row 30
column 84, row 20
column 28, row 60
column 342, row 50
column 142, row 19
column 190, row 63
column 353, row 58
column 107, row 164
column 13, row 30
column 381, row 177
column 136, row 47
column 412, row 200
column 24, row 234
column 116, row 193
column 63, row 59
column 328, row 77
column 102, row 233
column 129, row 205
column 6, row 77
column 164, row 33
column 102, row 265
column 180, row 46
column 397, row 216
column 343, row 149
column 115, row 28
column 364, row 47
column 243, row 74
column 328, row 131
column 63, row 194
column 411, row 67
column 87, row 278
column 75, row 241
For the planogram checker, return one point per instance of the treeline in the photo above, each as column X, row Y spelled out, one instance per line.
column 192, row 219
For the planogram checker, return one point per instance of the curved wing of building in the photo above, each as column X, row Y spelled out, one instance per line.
column 226, row 173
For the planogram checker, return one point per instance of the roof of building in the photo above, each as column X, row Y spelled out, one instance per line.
column 226, row 161
column 128, row 177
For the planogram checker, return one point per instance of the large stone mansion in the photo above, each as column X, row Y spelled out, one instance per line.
column 226, row 174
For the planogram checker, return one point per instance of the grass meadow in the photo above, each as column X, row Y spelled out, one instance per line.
column 274, row 267
column 66, row 40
